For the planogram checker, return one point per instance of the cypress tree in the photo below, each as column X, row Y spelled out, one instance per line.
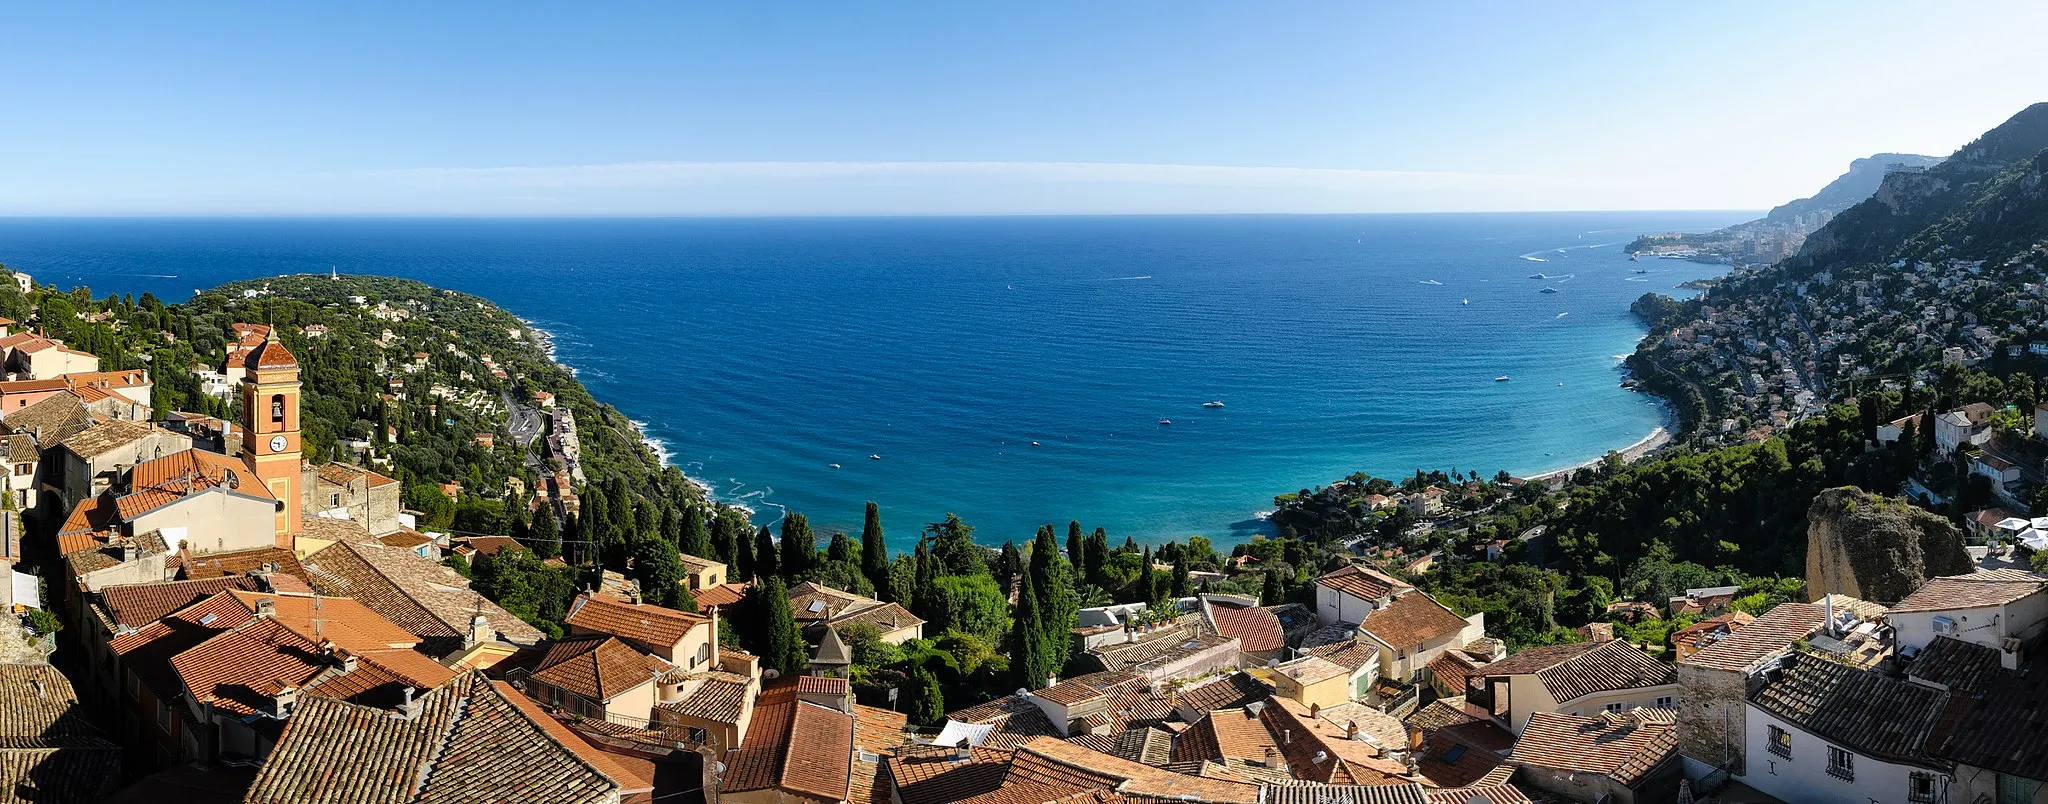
column 684, row 599
column 658, row 568
column 1180, row 575
column 1028, row 659
column 696, row 534
column 544, row 539
column 742, row 549
column 1057, row 601
column 1095, row 553
column 874, row 553
column 1272, row 594
column 782, row 647
column 595, row 525
column 765, row 561
column 799, row 545
column 515, row 520
column 1130, row 545
column 1144, row 588
column 1008, row 565
column 925, row 705
column 924, row 586
column 841, row 549
column 1074, row 543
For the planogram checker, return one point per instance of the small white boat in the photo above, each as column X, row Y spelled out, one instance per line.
column 1165, row 421
column 874, row 457
column 1548, row 290
column 835, row 466
column 1561, row 315
column 1465, row 301
column 1034, row 443
column 1538, row 276
column 1431, row 282
column 1212, row 404
column 1501, row 378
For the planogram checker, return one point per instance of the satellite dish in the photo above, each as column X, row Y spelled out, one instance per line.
column 771, row 674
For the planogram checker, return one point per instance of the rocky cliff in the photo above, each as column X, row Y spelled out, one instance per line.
column 1876, row 548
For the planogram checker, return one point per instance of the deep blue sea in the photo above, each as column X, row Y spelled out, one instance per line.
column 761, row 352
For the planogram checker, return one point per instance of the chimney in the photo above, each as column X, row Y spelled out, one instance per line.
column 127, row 551
column 348, row 662
column 1052, row 679
column 1315, row 710
column 1351, row 730
column 1286, row 736
column 409, row 707
column 266, row 607
column 283, row 700
column 961, row 752
column 479, row 632
column 1272, row 757
column 1414, row 739
column 633, row 594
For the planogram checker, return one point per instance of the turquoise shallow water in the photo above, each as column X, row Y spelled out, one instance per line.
column 760, row 352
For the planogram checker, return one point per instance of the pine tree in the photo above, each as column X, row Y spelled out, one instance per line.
column 782, row 647
column 1145, row 590
column 765, row 560
column 874, row 553
column 684, row 599
column 697, row 534
column 544, row 540
column 1028, row 660
column 924, row 705
column 841, row 549
column 1074, row 542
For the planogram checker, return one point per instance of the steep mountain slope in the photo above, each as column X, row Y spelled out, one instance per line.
column 1853, row 187
column 1978, row 197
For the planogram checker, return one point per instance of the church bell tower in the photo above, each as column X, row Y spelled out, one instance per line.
column 270, row 429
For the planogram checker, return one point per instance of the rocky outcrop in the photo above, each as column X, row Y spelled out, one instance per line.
column 1876, row 548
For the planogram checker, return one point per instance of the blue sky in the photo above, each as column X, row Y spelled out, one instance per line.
column 896, row 108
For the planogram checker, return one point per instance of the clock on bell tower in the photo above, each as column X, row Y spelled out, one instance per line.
column 270, row 429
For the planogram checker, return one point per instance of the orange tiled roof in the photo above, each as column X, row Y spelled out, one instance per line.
column 237, row 562
column 720, row 697
column 1991, row 588
column 1256, row 628
column 644, row 623
column 1411, row 620
column 597, row 667
column 724, row 594
column 1361, row 582
column 819, row 764
column 271, row 355
column 138, row 605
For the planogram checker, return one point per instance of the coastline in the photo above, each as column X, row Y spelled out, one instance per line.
column 663, row 457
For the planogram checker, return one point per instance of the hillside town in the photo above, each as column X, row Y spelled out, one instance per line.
column 242, row 624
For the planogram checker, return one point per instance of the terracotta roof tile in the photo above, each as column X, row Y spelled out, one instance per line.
column 724, row 594
column 1230, row 692
column 2001, row 729
column 1362, row 582
column 930, row 774
column 1992, row 588
column 1574, row 671
column 191, row 470
column 720, row 697
column 819, row 764
column 138, row 605
column 1617, row 748
column 104, row 437
column 878, row 729
column 472, row 740
column 48, row 752
column 597, row 667
column 1399, row 793
column 1495, row 793
column 644, row 623
column 417, row 593
column 1769, row 635
column 1411, row 620
column 1255, row 627
column 237, row 562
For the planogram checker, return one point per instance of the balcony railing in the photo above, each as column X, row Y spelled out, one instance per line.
column 1842, row 772
column 1782, row 751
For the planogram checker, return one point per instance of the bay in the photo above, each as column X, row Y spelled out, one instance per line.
column 761, row 352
